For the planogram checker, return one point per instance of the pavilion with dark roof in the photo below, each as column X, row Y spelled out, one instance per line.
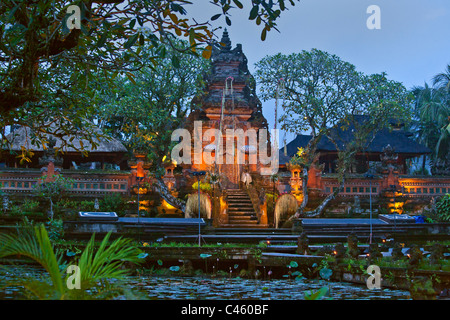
column 108, row 151
column 396, row 136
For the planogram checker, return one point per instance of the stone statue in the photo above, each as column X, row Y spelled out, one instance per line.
column 325, row 250
column 415, row 255
column 340, row 252
column 397, row 253
column 437, row 253
column 374, row 252
column 303, row 244
column 50, row 154
column 352, row 241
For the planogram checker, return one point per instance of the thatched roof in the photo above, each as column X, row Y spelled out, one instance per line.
column 21, row 137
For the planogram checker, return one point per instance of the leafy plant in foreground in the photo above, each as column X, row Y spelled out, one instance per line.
column 96, row 265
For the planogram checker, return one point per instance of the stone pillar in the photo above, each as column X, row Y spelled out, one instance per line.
column 297, row 227
column 263, row 209
column 315, row 177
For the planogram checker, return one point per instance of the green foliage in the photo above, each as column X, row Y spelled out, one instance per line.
column 271, row 199
column 204, row 186
column 111, row 202
column 55, row 229
column 323, row 93
column 96, row 264
column 48, row 69
column 443, row 207
column 318, row 295
column 52, row 190
column 26, row 208
column 86, row 205
column 15, row 211
column 144, row 113
column 431, row 111
column 66, row 203
column 30, row 205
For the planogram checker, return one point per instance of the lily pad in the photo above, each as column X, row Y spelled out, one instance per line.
column 293, row 264
column 70, row 253
column 142, row 255
column 159, row 262
column 174, row 268
column 325, row 273
column 205, row 255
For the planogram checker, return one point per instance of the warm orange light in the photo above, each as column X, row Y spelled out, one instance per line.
column 167, row 205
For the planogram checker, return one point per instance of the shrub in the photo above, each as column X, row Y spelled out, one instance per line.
column 204, row 186
column 85, row 205
column 30, row 205
column 15, row 211
column 111, row 202
column 443, row 207
column 55, row 229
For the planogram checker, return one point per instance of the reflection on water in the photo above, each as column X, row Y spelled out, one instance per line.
column 206, row 288
column 158, row 287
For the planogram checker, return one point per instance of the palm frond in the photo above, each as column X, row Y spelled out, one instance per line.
column 106, row 262
column 34, row 244
column 96, row 265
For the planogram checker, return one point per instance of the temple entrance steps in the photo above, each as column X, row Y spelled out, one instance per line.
column 241, row 213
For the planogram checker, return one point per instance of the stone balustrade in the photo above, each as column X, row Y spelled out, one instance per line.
column 84, row 183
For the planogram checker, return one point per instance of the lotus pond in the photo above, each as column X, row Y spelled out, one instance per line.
column 207, row 288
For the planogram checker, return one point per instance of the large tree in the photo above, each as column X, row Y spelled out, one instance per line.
column 321, row 92
column 144, row 110
column 35, row 36
column 49, row 71
column 432, row 117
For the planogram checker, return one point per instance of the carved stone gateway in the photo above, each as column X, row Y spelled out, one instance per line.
column 229, row 103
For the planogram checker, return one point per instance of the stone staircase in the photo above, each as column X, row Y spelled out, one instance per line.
column 241, row 213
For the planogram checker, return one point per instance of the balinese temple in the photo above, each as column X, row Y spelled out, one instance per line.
column 229, row 101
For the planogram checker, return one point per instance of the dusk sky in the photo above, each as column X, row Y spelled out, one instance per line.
column 411, row 47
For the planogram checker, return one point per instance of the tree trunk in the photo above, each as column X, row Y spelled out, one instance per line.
column 166, row 195
column 51, row 209
column 424, row 160
column 319, row 210
column 305, row 190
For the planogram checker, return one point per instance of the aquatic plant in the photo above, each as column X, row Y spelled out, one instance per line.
column 319, row 294
column 325, row 273
column 205, row 256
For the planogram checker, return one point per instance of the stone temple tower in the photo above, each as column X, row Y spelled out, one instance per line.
column 229, row 101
